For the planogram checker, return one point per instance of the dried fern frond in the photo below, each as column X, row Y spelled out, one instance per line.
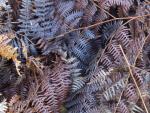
column 114, row 89
column 3, row 106
column 67, row 49
column 46, row 91
column 8, row 51
column 11, row 52
column 126, row 4
column 130, row 93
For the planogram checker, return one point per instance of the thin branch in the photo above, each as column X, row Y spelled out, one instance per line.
column 133, row 67
column 134, row 80
column 111, row 37
column 98, row 23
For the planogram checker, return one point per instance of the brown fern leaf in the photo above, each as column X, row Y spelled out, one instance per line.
column 106, row 61
column 126, row 4
column 130, row 93
column 135, row 45
column 4, row 41
column 139, row 76
column 11, row 52
column 47, row 91
column 113, row 56
column 122, row 108
column 116, row 54
column 3, row 105
column 14, row 99
column 122, row 36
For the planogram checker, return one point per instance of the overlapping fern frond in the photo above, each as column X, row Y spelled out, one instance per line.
column 85, row 56
column 47, row 90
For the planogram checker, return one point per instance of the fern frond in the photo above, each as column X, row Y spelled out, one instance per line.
column 135, row 108
column 126, row 4
column 139, row 76
column 123, row 108
column 67, row 49
column 44, row 12
column 4, row 41
column 114, row 89
column 6, row 17
column 51, row 89
column 99, row 76
column 115, row 52
column 110, row 28
column 78, row 83
column 106, row 61
column 25, row 17
column 73, row 16
column 11, row 52
column 65, row 7
column 84, row 48
column 3, row 106
column 81, row 3
column 91, row 9
column 130, row 93
column 89, row 34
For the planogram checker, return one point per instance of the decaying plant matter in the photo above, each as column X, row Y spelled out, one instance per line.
column 74, row 56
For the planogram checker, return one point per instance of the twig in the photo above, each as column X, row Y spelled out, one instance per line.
column 130, row 70
column 109, row 43
column 98, row 23
column 133, row 67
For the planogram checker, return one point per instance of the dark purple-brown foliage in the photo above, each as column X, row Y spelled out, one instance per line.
column 75, row 56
